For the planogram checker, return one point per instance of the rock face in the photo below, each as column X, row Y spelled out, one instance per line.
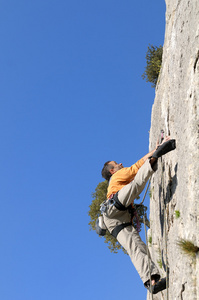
column 174, row 211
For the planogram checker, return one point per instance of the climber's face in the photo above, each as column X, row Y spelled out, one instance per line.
column 115, row 167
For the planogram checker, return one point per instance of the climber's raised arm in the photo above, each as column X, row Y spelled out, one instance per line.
column 150, row 154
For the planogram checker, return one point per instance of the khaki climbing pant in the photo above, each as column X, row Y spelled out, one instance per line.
column 129, row 237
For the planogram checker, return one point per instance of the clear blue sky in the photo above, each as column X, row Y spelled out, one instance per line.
column 72, row 97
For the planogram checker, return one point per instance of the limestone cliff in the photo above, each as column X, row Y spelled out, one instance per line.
column 175, row 185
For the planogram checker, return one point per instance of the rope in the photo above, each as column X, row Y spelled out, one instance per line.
column 149, row 261
column 134, row 214
column 165, row 229
column 165, row 224
column 165, row 235
column 145, row 192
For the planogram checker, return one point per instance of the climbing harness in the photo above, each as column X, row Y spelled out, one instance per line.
column 132, row 210
column 101, row 227
column 116, row 202
column 118, row 228
column 113, row 200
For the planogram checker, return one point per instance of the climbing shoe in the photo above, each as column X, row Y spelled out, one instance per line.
column 159, row 286
column 164, row 148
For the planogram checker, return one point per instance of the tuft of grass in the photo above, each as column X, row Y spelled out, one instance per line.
column 159, row 262
column 150, row 240
column 188, row 247
column 151, row 192
column 177, row 214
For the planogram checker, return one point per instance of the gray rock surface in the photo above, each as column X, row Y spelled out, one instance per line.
column 175, row 185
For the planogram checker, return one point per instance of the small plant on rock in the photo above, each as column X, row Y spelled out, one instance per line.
column 188, row 247
column 150, row 240
column 151, row 192
column 159, row 261
column 177, row 214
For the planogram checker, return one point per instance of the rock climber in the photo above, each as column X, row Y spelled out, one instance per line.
column 125, row 184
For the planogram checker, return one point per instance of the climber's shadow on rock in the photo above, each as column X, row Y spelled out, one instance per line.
column 166, row 198
column 171, row 186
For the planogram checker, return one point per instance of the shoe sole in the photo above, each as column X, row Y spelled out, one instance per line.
column 165, row 148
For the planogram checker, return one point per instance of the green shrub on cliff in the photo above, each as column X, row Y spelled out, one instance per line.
column 154, row 61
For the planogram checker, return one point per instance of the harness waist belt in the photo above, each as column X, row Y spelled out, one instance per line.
column 118, row 228
column 118, row 204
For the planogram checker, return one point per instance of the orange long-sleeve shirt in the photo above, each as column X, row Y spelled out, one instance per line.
column 122, row 177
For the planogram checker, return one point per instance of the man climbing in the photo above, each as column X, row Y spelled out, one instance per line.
column 125, row 184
